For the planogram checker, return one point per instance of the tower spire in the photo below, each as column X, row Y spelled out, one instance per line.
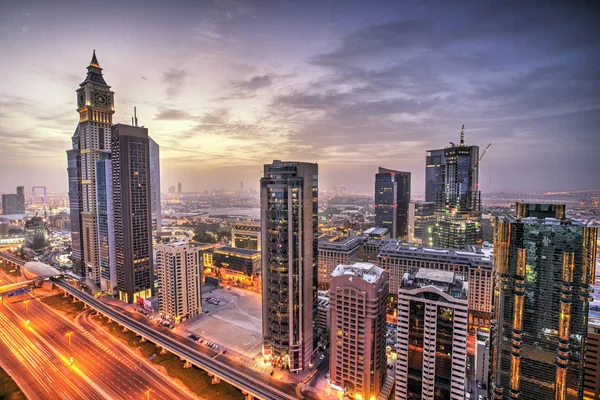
column 462, row 136
column 94, row 62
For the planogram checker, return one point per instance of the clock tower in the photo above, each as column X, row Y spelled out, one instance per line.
column 95, row 105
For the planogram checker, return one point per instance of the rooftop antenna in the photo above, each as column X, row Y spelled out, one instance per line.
column 135, row 116
column 462, row 136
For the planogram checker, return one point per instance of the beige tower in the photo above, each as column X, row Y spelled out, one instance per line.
column 95, row 105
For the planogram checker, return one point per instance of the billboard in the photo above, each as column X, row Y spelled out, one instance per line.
column 147, row 304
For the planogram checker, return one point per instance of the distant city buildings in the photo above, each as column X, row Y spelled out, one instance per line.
column 358, row 299
column 132, row 212
column 336, row 251
column 14, row 203
column 289, row 228
column 544, row 268
column 432, row 335
column 179, row 275
column 179, row 188
column 246, row 235
column 392, row 196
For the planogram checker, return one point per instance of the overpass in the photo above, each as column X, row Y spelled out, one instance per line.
column 243, row 378
column 11, row 259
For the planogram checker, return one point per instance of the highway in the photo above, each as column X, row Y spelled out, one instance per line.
column 227, row 369
column 38, row 357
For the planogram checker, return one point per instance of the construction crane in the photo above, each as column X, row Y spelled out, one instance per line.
column 480, row 158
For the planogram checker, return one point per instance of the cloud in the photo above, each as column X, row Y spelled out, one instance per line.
column 218, row 116
column 174, row 80
column 172, row 114
column 254, row 83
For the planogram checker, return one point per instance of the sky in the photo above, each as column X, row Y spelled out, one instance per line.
column 226, row 86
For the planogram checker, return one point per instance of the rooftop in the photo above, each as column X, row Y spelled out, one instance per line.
column 366, row 271
column 376, row 231
column 237, row 251
column 396, row 247
column 448, row 282
column 333, row 243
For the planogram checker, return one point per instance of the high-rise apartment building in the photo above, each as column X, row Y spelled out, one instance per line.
column 246, row 235
column 132, row 210
column 591, row 376
column 14, row 203
column 289, row 228
column 179, row 275
column 435, row 174
column 95, row 105
column 345, row 251
column 358, row 299
column 432, row 335
column 474, row 268
column 544, row 269
column 392, row 196
column 106, row 228
column 155, row 188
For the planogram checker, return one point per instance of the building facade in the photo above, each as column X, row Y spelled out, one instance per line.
column 14, row 203
column 246, row 235
column 36, row 233
column 591, row 376
column 155, row 188
column 358, row 299
column 106, row 228
column 95, row 105
column 392, row 197
column 179, row 275
column 345, row 251
column 238, row 266
column 289, row 229
column 454, row 233
column 435, row 174
column 421, row 220
column 540, row 264
column 432, row 336
column 132, row 212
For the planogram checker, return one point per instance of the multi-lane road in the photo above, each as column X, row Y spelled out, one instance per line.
column 38, row 356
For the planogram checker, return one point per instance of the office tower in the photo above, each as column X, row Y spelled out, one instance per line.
column 179, row 188
column 95, row 105
column 421, row 220
column 14, row 203
column 432, row 335
column 155, row 188
column 474, row 268
column 289, row 228
column 435, row 174
column 246, row 235
column 20, row 199
column 106, row 228
column 238, row 266
column 525, row 210
column 358, row 299
column 4, row 229
column 392, row 196
column 179, row 275
column 36, row 233
column 75, row 203
column 591, row 376
column 454, row 233
column 544, row 268
column 345, row 251
column 132, row 209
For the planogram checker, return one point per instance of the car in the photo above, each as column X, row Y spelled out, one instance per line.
column 272, row 372
column 322, row 356
column 201, row 340
column 216, row 347
column 480, row 397
column 225, row 351
column 191, row 335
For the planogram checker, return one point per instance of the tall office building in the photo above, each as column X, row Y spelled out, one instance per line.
column 435, row 174
column 155, row 188
column 345, row 251
column 432, row 335
column 179, row 275
column 544, row 268
column 421, row 220
column 591, row 376
column 106, row 228
column 289, row 228
column 95, row 105
column 179, row 188
column 132, row 209
column 392, row 197
column 14, row 203
column 358, row 299
column 455, row 233
column 246, row 235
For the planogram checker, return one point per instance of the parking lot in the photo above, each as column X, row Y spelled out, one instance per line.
column 233, row 320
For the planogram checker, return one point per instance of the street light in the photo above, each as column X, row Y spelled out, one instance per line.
column 69, row 336
column 148, row 394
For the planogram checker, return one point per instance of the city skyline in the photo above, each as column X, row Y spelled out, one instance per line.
column 352, row 86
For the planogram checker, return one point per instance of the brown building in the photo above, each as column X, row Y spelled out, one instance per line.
column 333, row 252
column 358, row 299
column 591, row 373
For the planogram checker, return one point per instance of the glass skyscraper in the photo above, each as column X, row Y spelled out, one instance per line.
column 392, row 198
column 106, row 231
column 289, row 228
column 544, row 268
column 435, row 170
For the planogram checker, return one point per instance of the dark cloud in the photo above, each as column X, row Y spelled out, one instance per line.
column 174, row 80
column 171, row 114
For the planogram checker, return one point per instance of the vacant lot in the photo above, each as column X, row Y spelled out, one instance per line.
column 8, row 388
column 64, row 304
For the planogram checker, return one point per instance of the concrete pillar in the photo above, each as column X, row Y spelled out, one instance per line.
column 163, row 350
column 215, row 380
column 124, row 329
column 143, row 340
column 187, row 364
column 249, row 396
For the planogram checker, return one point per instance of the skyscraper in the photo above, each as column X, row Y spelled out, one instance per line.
column 106, row 228
column 155, row 187
column 132, row 209
column 544, row 268
column 392, row 197
column 289, row 228
column 179, row 274
column 75, row 203
column 435, row 174
column 95, row 105
column 14, row 203
column 358, row 299
column 432, row 335
column 179, row 188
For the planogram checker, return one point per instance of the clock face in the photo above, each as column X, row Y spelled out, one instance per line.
column 101, row 99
